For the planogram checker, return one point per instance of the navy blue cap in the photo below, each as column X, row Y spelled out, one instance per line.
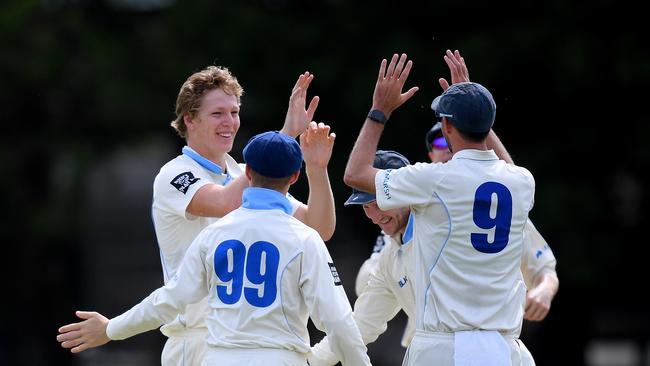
column 384, row 159
column 273, row 154
column 468, row 106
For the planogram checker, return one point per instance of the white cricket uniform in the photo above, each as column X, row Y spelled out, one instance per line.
column 264, row 273
column 468, row 221
column 538, row 257
column 389, row 289
column 173, row 189
column 386, row 288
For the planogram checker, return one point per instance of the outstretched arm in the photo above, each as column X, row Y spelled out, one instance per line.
column 89, row 333
column 298, row 117
column 459, row 74
column 317, row 143
column 387, row 96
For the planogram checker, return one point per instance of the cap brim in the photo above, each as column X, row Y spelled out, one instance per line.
column 360, row 198
column 434, row 104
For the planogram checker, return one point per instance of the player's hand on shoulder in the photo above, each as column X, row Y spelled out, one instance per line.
column 87, row 334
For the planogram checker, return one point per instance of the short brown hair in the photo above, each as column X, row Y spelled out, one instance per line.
column 196, row 86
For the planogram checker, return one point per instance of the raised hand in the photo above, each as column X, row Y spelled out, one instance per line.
column 388, row 94
column 297, row 116
column 81, row 336
column 457, row 68
column 317, row 143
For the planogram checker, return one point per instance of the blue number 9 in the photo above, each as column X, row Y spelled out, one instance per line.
column 253, row 273
column 221, row 266
column 500, row 222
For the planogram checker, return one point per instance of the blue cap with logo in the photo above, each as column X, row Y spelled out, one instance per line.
column 384, row 159
column 273, row 154
column 468, row 106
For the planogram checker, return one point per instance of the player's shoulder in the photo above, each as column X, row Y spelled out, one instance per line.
column 181, row 169
column 522, row 172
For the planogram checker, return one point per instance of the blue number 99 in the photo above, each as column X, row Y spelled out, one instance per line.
column 258, row 272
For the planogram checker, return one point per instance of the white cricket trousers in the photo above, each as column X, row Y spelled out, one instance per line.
column 186, row 350
column 435, row 348
column 253, row 357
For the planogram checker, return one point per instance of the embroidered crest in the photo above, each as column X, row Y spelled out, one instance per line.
column 183, row 181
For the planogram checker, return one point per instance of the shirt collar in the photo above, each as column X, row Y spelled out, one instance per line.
column 205, row 162
column 474, row 154
column 256, row 198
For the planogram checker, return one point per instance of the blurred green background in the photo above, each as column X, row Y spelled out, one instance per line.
column 88, row 89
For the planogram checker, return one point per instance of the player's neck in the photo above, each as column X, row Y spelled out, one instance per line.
column 465, row 145
column 215, row 157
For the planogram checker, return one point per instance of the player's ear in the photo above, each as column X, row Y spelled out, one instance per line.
column 294, row 177
column 188, row 120
column 248, row 173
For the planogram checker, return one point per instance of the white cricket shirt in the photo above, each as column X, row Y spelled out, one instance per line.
column 389, row 289
column 538, row 257
column 173, row 189
column 468, row 221
column 264, row 273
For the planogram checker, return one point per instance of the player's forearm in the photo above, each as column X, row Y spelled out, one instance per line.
column 345, row 341
column 321, row 214
column 493, row 142
column 549, row 282
column 359, row 172
column 217, row 201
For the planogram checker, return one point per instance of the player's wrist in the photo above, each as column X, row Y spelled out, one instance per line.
column 378, row 115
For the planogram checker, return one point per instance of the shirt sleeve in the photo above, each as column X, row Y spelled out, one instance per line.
column 537, row 257
column 164, row 304
column 328, row 304
column 376, row 306
column 411, row 185
column 176, row 185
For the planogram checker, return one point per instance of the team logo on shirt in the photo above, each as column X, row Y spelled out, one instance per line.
column 403, row 281
column 183, row 181
column 335, row 274
column 385, row 184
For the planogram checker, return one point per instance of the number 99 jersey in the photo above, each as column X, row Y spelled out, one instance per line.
column 264, row 273
column 468, row 220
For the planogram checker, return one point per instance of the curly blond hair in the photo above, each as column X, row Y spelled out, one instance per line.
column 196, row 86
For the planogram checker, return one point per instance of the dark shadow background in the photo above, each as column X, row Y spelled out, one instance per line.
column 87, row 90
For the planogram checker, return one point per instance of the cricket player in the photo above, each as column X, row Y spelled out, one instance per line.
column 204, row 183
column 468, row 222
column 263, row 271
column 387, row 287
column 538, row 262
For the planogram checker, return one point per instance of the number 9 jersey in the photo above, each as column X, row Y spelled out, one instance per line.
column 469, row 215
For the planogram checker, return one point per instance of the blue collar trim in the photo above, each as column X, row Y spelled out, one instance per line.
column 256, row 198
column 408, row 233
column 204, row 162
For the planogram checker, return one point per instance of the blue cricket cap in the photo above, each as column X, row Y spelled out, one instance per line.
column 384, row 159
column 468, row 106
column 273, row 154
